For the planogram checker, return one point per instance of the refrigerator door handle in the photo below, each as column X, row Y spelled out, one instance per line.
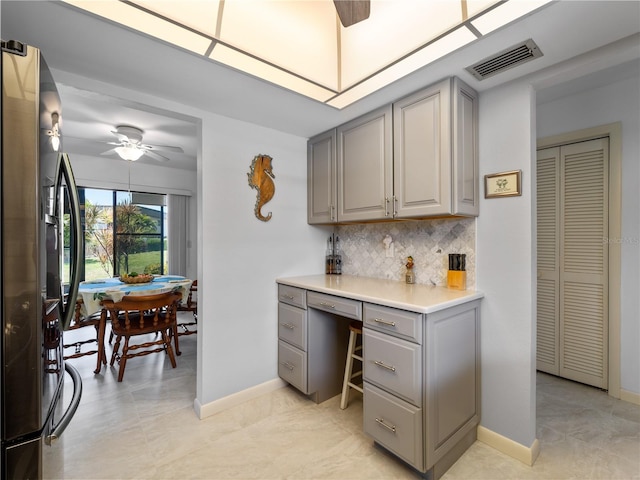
column 60, row 427
column 77, row 254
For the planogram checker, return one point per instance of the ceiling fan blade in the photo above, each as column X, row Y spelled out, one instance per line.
column 166, row 148
column 352, row 11
column 121, row 137
column 156, row 156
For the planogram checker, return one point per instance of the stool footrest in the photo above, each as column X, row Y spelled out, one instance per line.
column 356, row 387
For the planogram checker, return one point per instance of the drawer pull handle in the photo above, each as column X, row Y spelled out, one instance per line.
column 287, row 365
column 328, row 305
column 384, row 322
column 288, row 325
column 381, row 421
column 290, row 297
column 384, row 365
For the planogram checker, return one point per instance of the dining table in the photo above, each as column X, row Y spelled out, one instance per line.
column 94, row 292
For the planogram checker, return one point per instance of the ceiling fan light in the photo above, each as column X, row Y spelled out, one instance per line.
column 55, row 142
column 130, row 153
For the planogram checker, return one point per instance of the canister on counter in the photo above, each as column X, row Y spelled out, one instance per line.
column 457, row 275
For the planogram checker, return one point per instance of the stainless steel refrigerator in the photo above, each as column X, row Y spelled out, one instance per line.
column 39, row 285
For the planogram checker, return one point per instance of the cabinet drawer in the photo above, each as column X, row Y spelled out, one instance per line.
column 292, row 325
column 292, row 295
column 393, row 364
column 403, row 324
column 338, row 305
column 292, row 366
column 394, row 424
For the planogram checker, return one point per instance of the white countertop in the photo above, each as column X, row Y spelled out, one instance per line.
column 391, row 293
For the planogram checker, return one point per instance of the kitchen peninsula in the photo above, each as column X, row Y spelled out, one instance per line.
column 421, row 359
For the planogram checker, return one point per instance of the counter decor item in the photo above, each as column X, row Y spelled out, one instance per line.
column 333, row 257
column 260, row 178
column 457, row 275
column 505, row 184
column 410, row 276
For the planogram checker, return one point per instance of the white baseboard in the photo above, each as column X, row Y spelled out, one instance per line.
column 526, row 455
column 631, row 397
column 217, row 406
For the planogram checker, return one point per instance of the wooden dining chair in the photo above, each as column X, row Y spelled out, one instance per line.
column 79, row 346
column 191, row 305
column 140, row 315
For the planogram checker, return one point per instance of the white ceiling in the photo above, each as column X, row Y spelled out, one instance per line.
column 87, row 46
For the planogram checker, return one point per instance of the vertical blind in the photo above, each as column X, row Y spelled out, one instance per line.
column 178, row 223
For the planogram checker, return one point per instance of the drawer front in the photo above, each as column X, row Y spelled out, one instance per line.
column 393, row 364
column 394, row 424
column 292, row 325
column 338, row 305
column 292, row 295
column 292, row 366
column 403, row 324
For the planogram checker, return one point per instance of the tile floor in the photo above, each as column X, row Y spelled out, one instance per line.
column 145, row 427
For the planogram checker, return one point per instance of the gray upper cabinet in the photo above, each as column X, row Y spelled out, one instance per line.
column 415, row 158
column 465, row 181
column 435, row 151
column 365, row 167
column 322, row 190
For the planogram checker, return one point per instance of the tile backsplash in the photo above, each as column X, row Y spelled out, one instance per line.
column 429, row 242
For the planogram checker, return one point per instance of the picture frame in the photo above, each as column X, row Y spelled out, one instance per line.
column 503, row 184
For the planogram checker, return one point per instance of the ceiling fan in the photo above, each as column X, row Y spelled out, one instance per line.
column 130, row 147
column 352, row 11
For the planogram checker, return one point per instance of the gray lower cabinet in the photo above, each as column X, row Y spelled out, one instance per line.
column 421, row 371
column 292, row 336
column 312, row 340
column 421, row 390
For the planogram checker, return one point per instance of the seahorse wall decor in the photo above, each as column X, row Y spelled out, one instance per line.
column 260, row 178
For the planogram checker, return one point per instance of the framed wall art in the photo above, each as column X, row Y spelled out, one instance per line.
column 504, row 184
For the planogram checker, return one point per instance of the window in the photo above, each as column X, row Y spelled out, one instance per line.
column 124, row 232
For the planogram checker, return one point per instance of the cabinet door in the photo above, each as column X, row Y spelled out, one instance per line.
column 321, row 179
column 422, row 152
column 365, row 167
column 466, row 185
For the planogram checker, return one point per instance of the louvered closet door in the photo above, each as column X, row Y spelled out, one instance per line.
column 584, row 262
column 548, row 301
column 572, row 303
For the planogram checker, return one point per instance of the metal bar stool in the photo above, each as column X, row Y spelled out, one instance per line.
column 354, row 351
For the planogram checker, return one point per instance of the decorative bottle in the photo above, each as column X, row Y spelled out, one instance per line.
column 337, row 257
column 329, row 257
column 410, row 276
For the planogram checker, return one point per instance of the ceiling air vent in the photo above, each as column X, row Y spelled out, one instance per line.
column 511, row 57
